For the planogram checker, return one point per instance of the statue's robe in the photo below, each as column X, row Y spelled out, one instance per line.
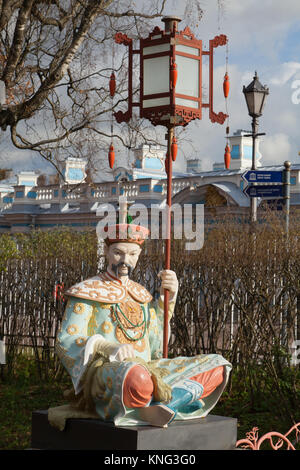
column 103, row 307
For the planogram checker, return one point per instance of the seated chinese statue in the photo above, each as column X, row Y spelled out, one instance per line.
column 111, row 341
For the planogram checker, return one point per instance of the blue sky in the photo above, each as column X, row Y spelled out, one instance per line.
column 264, row 35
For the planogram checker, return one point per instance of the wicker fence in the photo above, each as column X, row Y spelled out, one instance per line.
column 209, row 317
column 239, row 295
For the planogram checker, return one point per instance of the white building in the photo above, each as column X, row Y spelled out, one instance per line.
column 241, row 152
column 52, row 204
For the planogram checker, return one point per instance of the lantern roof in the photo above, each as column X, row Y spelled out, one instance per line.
column 169, row 22
column 256, row 86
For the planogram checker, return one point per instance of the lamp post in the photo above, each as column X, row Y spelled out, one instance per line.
column 170, row 95
column 255, row 95
column 286, row 193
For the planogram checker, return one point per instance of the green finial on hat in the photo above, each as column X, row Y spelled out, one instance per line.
column 125, row 229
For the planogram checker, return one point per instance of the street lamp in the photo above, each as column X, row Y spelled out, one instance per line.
column 170, row 94
column 255, row 96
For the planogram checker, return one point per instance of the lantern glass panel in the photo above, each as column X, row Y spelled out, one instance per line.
column 156, row 102
column 187, row 49
column 156, row 75
column 188, row 76
column 156, row 49
column 263, row 103
column 250, row 102
column 255, row 101
column 258, row 100
column 187, row 103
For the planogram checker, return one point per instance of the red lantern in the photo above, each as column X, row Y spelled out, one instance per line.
column 112, row 84
column 174, row 149
column 227, row 157
column 111, row 156
column 174, row 74
column 226, row 85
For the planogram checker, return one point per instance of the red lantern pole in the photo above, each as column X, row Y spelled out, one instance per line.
column 170, row 26
column 170, row 136
column 172, row 113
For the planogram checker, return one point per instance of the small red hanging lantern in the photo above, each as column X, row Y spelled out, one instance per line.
column 227, row 157
column 226, row 85
column 174, row 149
column 112, row 84
column 111, row 156
column 174, row 74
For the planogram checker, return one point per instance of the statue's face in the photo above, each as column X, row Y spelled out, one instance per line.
column 122, row 258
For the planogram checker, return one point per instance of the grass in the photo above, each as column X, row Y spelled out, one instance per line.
column 17, row 402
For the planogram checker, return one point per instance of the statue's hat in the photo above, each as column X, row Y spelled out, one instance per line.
column 125, row 230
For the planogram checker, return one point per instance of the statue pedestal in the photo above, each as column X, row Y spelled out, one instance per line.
column 210, row 433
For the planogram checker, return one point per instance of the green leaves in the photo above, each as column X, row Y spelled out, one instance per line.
column 8, row 250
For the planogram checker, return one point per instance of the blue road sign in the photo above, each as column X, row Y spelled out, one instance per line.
column 267, row 191
column 262, row 176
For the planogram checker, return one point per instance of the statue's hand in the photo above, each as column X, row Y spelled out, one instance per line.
column 123, row 352
column 169, row 281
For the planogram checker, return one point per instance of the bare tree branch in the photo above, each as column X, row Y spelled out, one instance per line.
column 56, row 57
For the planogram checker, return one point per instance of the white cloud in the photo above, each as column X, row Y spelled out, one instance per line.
column 285, row 72
column 275, row 149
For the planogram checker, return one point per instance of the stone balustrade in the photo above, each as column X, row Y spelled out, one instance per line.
column 99, row 192
column 43, row 194
column 103, row 192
